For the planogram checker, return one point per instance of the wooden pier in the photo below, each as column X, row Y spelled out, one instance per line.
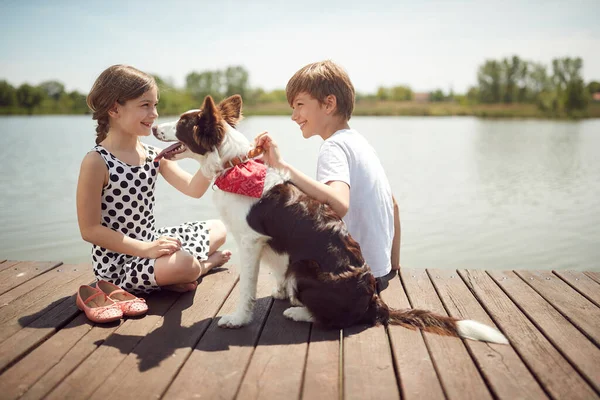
column 48, row 349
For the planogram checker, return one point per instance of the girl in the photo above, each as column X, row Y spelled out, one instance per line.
column 115, row 195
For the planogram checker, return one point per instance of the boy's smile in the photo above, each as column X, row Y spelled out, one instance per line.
column 309, row 114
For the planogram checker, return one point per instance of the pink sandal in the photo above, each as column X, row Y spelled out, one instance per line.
column 96, row 305
column 130, row 305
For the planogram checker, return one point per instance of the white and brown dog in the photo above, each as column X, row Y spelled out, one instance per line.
column 316, row 263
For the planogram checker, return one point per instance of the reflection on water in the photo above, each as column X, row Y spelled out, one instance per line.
column 473, row 193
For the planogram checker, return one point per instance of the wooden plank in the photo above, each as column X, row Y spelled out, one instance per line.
column 45, row 324
column 20, row 377
column 594, row 275
column 216, row 367
column 322, row 377
column 42, row 294
column 89, row 370
column 22, row 272
column 50, row 354
column 583, row 284
column 558, row 378
column 580, row 311
column 277, row 366
column 367, row 364
column 566, row 338
column 414, row 367
column 7, row 264
column 458, row 374
column 40, row 285
column 156, row 360
column 500, row 365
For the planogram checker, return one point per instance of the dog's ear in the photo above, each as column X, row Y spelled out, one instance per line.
column 209, row 131
column 231, row 109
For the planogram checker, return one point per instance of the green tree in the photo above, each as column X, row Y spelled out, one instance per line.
column 205, row 83
column 236, row 81
column 489, row 78
column 8, row 97
column 437, row 96
column 593, row 87
column 569, row 85
column 52, row 89
column 29, row 97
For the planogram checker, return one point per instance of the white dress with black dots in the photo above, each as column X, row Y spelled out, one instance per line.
column 127, row 207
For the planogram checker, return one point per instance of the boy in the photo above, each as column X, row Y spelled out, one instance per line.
column 350, row 177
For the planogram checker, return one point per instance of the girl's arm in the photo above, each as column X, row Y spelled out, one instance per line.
column 193, row 186
column 92, row 178
column 334, row 193
column 395, row 257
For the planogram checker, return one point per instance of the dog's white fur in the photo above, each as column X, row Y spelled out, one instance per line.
column 233, row 209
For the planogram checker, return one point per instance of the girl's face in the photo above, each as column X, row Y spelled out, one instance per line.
column 136, row 116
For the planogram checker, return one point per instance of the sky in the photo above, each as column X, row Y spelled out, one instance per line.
column 423, row 44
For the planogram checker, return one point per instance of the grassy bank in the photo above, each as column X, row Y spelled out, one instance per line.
column 392, row 108
column 411, row 108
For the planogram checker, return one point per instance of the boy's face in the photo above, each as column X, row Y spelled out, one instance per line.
column 309, row 114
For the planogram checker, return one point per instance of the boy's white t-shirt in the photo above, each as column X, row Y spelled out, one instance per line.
column 346, row 156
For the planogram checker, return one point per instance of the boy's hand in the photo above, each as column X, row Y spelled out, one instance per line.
column 271, row 154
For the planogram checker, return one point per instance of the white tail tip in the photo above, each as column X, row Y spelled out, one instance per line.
column 474, row 330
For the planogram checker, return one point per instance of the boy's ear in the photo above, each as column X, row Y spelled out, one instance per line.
column 330, row 103
column 231, row 109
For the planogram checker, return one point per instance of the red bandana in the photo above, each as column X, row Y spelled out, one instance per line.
column 247, row 178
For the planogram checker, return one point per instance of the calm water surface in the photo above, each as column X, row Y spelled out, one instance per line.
column 473, row 193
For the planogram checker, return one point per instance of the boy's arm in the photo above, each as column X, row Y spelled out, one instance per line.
column 334, row 193
column 395, row 257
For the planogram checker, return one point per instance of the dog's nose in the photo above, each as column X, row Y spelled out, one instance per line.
column 154, row 130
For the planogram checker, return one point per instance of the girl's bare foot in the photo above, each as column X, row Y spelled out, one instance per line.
column 216, row 259
column 182, row 287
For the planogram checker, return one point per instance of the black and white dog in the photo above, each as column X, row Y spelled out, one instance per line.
column 316, row 263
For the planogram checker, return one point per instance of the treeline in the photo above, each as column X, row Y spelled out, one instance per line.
column 46, row 98
column 556, row 92
column 560, row 90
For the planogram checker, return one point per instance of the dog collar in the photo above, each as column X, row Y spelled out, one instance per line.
column 252, row 153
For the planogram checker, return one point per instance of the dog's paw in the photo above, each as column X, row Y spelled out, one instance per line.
column 300, row 314
column 295, row 302
column 234, row 321
column 279, row 293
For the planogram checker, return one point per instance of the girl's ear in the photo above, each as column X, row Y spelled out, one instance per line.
column 114, row 110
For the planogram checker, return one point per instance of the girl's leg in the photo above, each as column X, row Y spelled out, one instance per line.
column 180, row 271
column 217, row 236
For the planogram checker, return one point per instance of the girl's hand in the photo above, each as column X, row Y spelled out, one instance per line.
column 271, row 153
column 163, row 246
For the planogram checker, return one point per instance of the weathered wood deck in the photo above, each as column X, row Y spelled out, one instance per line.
column 552, row 319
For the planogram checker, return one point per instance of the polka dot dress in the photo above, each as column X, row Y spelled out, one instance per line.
column 127, row 207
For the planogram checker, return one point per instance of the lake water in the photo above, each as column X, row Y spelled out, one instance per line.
column 493, row 194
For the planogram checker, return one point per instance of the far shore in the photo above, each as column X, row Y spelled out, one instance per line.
column 410, row 108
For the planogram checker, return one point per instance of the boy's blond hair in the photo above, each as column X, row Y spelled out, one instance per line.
column 321, row 79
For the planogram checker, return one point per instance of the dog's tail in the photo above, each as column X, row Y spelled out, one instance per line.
column 439, row 324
